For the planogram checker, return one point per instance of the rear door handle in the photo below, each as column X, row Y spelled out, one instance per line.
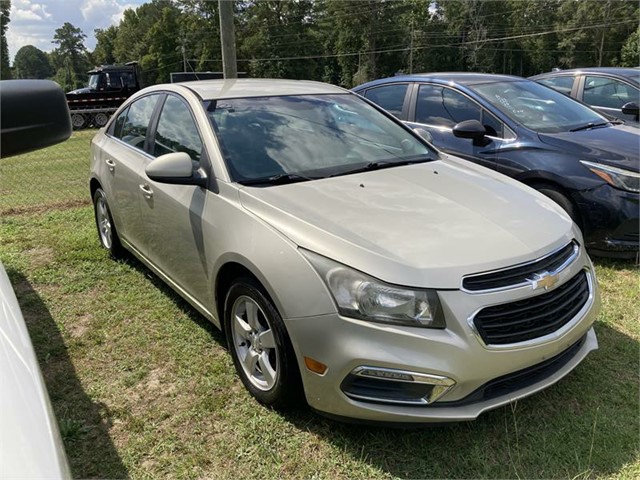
column 111, row 164
column 146, row 190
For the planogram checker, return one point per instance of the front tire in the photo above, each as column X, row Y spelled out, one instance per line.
column 561, row 199
column 260, row 347
column 107, row 233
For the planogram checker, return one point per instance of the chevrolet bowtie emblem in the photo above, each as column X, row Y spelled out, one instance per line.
column 543, row 280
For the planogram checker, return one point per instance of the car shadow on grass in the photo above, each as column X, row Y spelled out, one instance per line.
column 584, row 426
column 84, row 424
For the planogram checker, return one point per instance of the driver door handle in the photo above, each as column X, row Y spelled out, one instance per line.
column 111, row 164
column 146, row 190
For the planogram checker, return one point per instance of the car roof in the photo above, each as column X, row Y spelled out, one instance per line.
column 258, row 87
column 633, row 73
column 461, row 78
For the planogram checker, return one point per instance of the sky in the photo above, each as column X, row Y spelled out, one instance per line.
column 34, row 22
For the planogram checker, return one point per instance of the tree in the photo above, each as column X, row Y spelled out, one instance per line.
column 271, row 29
column 138, row 40
column 594, row 30
column 104, row 53
column 31, row 62
column 5, row 8
column 630, row 54
column 70, row 58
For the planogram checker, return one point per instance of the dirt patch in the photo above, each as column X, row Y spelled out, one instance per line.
column 156, row 382
column 36, row 209
column 78, row 328
column 40, row 256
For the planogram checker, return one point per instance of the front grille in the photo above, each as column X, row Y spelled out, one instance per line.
column 512, row 382
column 533, row 317
column 519, row 274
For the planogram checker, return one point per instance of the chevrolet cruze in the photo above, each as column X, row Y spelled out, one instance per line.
column 349, row 263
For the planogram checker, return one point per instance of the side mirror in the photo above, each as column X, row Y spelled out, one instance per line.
column 175, row 168
column 631, row 108
column 472, row 129
column 424, row 134
column 34, row 115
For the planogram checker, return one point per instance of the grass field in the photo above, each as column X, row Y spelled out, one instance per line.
column 143, row 386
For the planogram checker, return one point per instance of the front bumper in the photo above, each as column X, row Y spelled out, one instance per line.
column 455, row 353
column 611, row 221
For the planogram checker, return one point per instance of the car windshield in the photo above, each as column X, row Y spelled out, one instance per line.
column 307, row 137
column 94, row 80
column 539, row 108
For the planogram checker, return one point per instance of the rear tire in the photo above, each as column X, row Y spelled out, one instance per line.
column 260, row 346
column 107, row 233
column 101, row 119
column 78, row 121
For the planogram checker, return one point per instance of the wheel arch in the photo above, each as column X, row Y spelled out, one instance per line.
column 539, row 182
column 231, row 269
column 94, row 184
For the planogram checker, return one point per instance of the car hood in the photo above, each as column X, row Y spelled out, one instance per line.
column 423, row 225
column 80, row 90
column 618, row 146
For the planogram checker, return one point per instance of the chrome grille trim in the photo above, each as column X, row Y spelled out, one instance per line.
column 574, row 255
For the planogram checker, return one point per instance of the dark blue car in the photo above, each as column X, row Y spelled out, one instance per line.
column 564, row 149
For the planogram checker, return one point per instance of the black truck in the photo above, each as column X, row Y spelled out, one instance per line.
column 109, row 86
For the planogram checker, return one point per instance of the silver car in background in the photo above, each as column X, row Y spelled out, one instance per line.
column 348, row 262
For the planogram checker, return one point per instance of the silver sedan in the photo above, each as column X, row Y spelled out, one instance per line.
column 349, row 263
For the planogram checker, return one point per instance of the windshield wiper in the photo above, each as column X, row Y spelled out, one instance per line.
column 382, row 164
column 589, row 125
column 280, row 179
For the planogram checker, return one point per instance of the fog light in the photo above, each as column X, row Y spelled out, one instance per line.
column 386, row 385
column 386, row 374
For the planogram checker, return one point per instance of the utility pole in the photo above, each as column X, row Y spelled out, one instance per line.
column 228, row 39
column 184, row 56
column 411, row 53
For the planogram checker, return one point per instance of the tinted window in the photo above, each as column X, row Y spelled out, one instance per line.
column 389, row 97
column 440, row 106
column 136, row 124
column 177, row 130
column 116, row 128
column 494, row 127
column 118, row 80
column 537, row 107
column 561, row 84
column 607, row 92
column 307, row 135
column 430, row 108
column 460, row 107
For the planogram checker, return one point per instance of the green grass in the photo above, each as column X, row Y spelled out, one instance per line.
column 56, row 175
column 143, row 386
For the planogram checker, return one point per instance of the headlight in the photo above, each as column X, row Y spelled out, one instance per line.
column 617, row 177
column 360, row 296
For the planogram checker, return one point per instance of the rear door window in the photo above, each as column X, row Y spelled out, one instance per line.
column 389, row 97
column 561, row 84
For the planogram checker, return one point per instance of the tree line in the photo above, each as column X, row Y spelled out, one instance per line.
column 347, row 42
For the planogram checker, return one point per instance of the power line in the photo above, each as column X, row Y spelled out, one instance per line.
column 422, row 47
